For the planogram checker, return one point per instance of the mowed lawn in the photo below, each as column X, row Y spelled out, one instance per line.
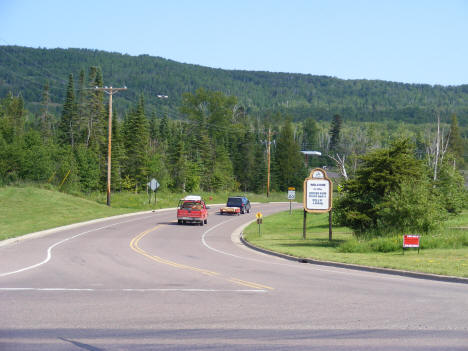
column 282, row 233
column 29, row 209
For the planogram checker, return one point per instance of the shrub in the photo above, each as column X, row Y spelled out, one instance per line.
column 391, row 192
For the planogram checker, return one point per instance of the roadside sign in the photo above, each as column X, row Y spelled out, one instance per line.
column 291, row 193
column 154, row 184
column 259, row 221
column 410, row 240
column 318, row 190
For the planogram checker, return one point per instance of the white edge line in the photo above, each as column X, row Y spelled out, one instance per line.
column 46, row 232
column 235, row 238
column 132, row 290
column 49, row 249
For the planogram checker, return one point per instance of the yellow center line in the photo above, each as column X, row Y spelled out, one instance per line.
column 250, row 284
column 134, row 246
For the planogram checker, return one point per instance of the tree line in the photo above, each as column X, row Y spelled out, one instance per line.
column 261, row 93
column 217, row 146
column 395, row 176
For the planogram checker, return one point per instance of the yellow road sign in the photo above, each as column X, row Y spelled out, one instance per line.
column 259, row 215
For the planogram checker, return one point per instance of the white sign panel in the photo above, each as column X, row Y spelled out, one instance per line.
column 318, row 191
column 318, row 194
column 291, row 194
column 154, row 184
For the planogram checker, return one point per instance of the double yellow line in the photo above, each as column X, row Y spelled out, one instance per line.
column 134, row 246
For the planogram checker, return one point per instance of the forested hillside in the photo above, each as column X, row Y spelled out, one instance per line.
column 26, row 70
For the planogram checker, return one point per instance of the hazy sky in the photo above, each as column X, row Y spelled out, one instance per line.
column 414, row 41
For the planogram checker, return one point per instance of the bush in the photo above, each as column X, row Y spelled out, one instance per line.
column 392, row 193
column 413, row 208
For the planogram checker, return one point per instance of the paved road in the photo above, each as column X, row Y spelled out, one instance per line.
column 146, row 283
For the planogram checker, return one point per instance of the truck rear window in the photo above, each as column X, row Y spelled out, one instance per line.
column 191, row 205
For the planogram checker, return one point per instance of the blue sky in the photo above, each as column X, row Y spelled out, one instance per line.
column 411, row 41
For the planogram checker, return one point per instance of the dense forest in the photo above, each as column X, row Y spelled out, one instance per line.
column 25, row 71
column 203, row 137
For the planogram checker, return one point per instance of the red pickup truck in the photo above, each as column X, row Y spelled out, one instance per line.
column 192, row 209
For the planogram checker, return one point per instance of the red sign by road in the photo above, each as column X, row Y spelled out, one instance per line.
column 410, row 240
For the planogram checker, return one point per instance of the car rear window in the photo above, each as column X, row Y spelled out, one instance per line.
column 235, row 201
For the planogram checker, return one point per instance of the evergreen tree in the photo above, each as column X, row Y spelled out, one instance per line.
column 118, row 154
column 45, row 117
column 177, row 165
column 335, row 130
column 136, row 145
column 81, row 109
column 244, row 161
column 87, row 168
column 289, row 161
column 11, row 138
column 456, row 142
column 95, row 112
column 68, row 123
column 389, row 183
column 310, row 137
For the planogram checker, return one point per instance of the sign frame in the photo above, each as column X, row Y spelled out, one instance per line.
column 321, row 175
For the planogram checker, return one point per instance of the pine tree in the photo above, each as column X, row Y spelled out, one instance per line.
column 95, row 112
column 118, row 154
column 335, row 130
column 68, row 123
column 456, row 143
column 136, row 145
column 81, row 108
column 177, row 164
column 310, row 137
column 45, row 118
column 288, row 160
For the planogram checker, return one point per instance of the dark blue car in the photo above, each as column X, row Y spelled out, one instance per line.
column 239, row 201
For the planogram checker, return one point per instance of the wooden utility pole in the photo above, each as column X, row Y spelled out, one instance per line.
column 110, row 91
column 268, row 162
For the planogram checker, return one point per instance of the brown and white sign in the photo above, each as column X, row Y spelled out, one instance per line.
column 318, row 190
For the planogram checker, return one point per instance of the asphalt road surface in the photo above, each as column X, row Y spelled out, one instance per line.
column 146, row 283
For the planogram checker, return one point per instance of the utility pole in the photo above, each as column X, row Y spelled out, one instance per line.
column 110, row 91
column 268, row 162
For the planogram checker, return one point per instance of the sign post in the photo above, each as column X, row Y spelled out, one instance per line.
column 259, row 221
column 291, row 196
column 318, row 191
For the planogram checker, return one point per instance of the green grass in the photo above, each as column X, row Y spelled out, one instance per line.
column 282, row 232
column 168, row 199
column 28, row 208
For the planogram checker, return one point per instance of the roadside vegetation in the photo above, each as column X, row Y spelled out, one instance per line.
column 391, row 193
column 30, row 208
column 394, row 177
column 443, row 251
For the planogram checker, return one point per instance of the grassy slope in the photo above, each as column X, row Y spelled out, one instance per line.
column 283, row 233
column 30, row 209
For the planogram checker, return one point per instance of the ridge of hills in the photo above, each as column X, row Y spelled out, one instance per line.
column 25, row 71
